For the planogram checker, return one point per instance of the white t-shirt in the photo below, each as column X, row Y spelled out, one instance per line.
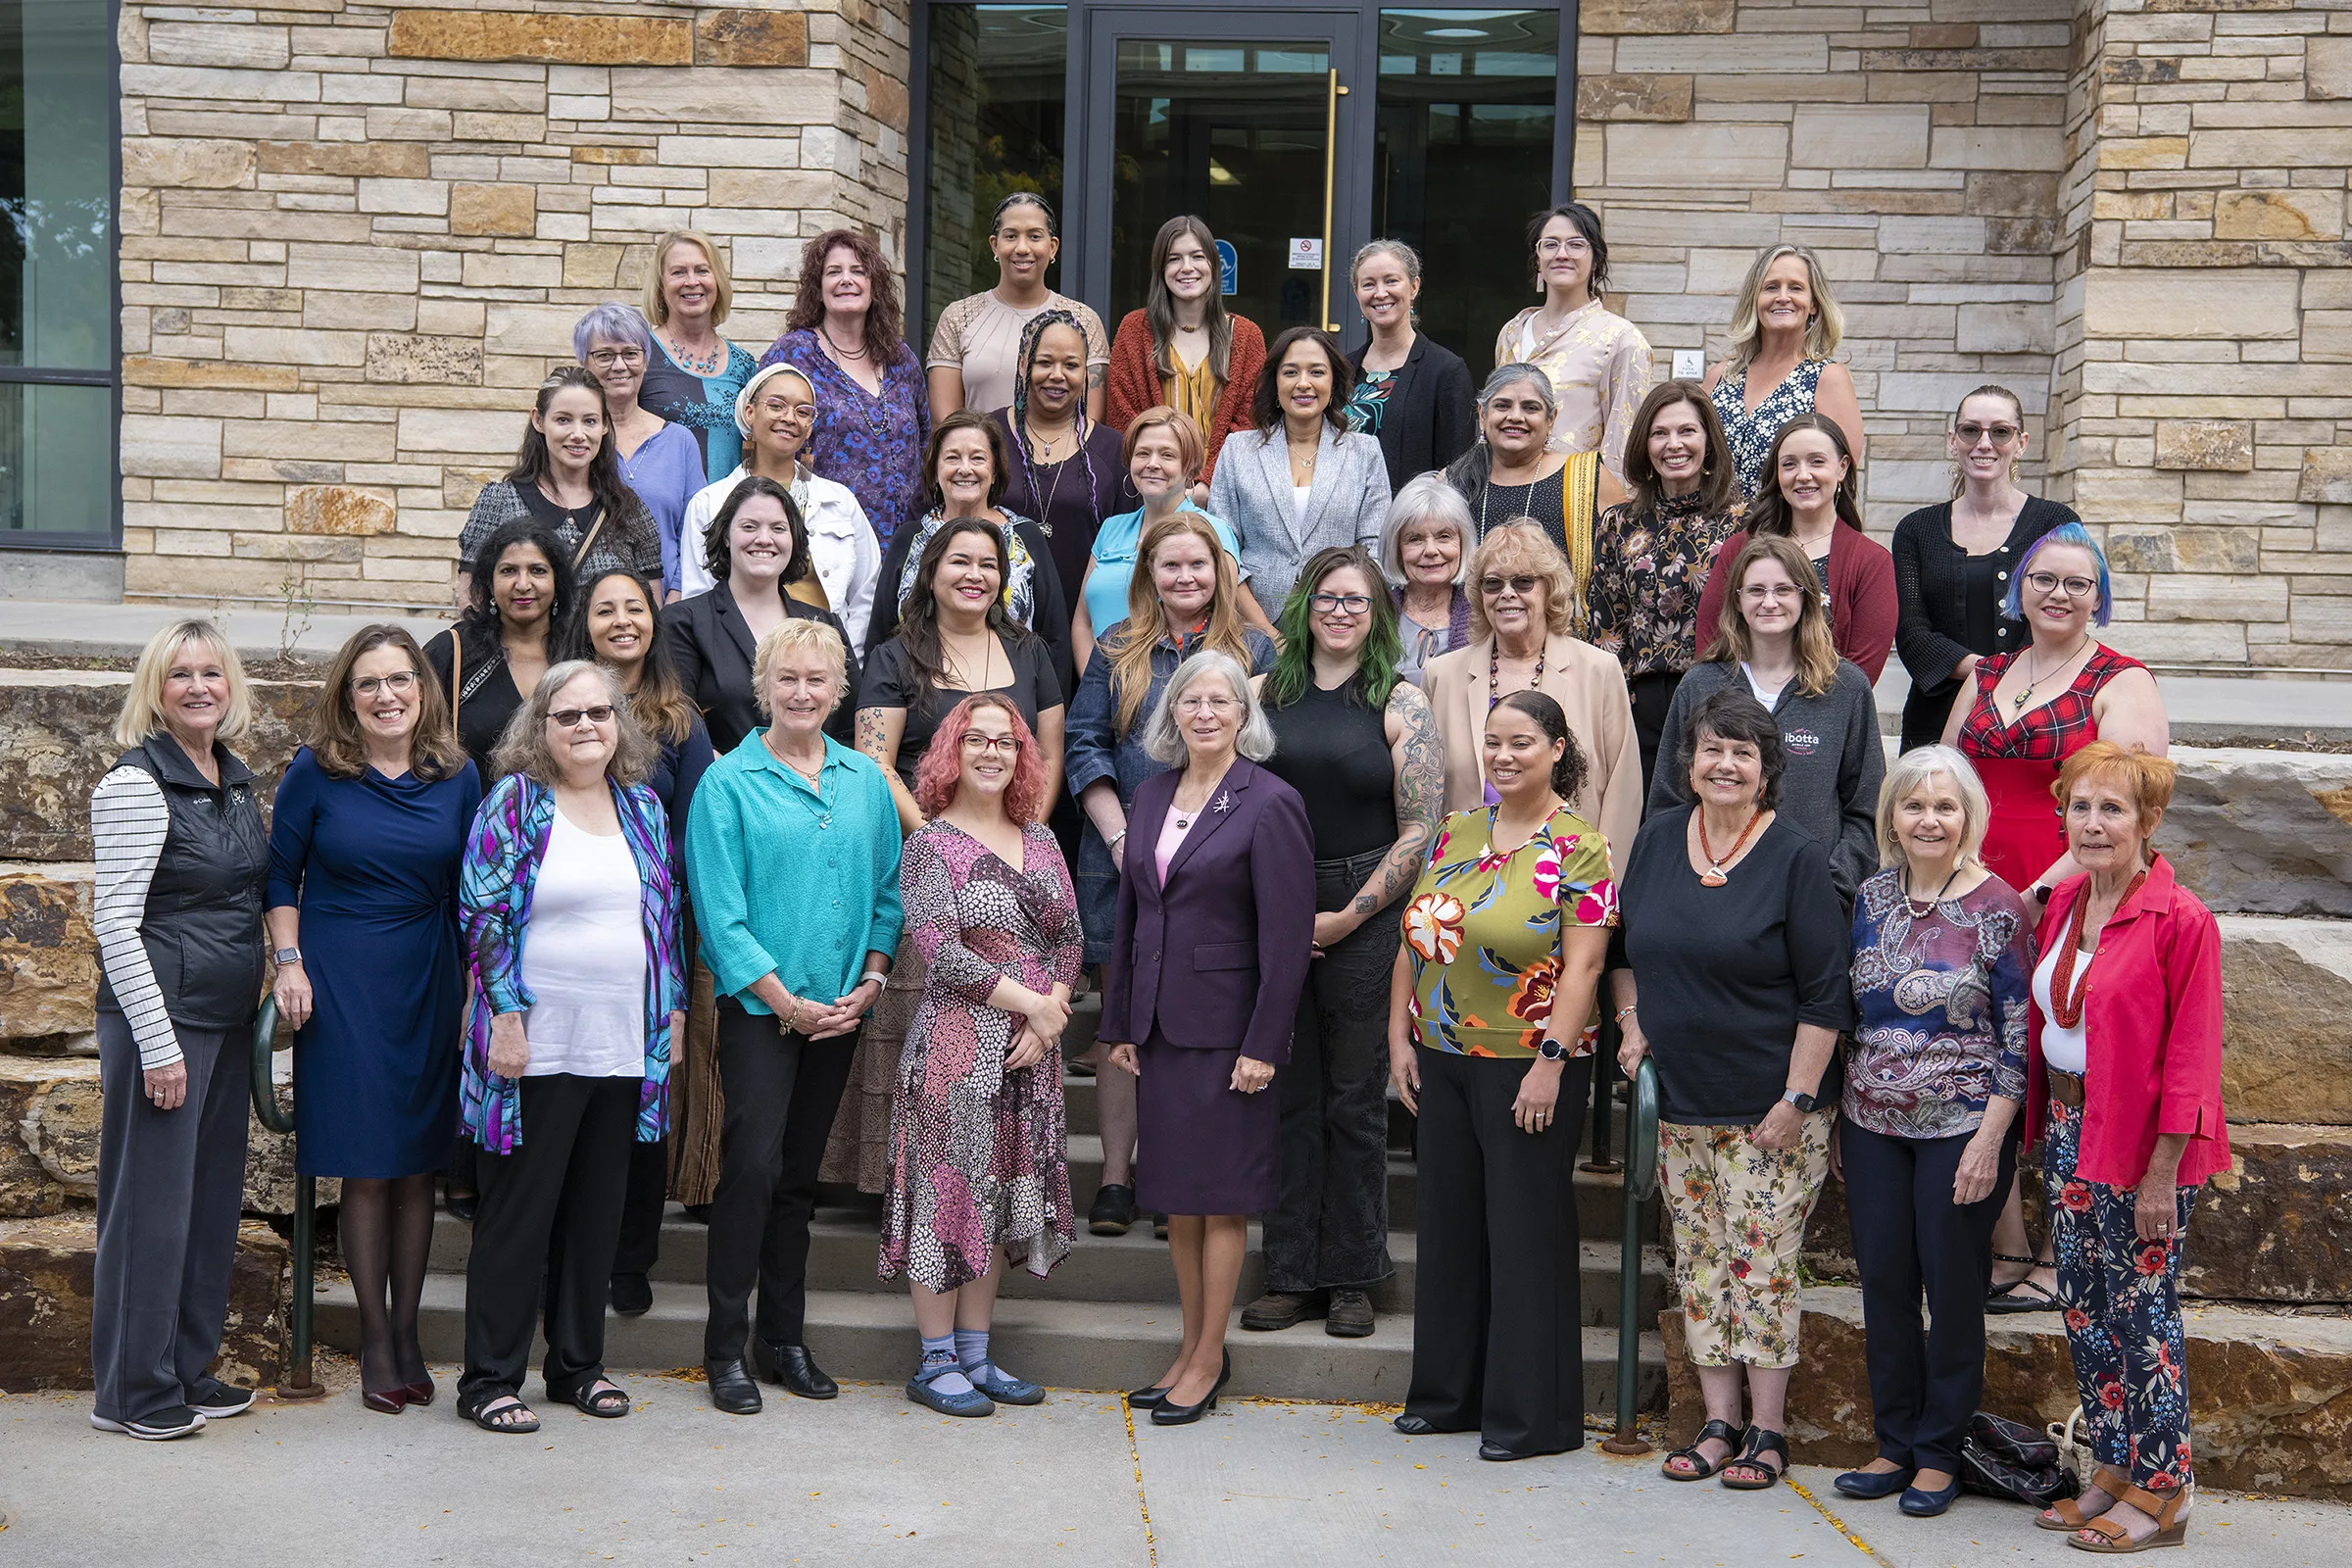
column 583, row 959
column 2061, row 1048
column 1767, row 697
column 1299, row 495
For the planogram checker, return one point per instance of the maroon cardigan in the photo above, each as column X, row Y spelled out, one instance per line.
column 1135, row 382
column 1862, row 600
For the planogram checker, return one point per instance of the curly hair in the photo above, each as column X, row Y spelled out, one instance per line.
column 939, row 773
column 884, row 317
column 524, row 748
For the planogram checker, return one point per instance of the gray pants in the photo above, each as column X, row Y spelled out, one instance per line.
column 171, row 1186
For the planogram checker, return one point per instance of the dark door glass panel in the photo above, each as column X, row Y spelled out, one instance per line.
column 996, row 92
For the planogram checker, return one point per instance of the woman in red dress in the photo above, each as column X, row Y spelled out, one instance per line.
column 2027, row 712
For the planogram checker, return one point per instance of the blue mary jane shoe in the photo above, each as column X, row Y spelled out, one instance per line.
column 920, row 1389
column 1006, row 1389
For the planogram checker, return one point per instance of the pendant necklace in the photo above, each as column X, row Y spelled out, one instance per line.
column 1715, row 876
column 817, row 807
column 1495, row 675
column 2019, row 702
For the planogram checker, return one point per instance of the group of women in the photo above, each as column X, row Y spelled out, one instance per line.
column 1518, row 696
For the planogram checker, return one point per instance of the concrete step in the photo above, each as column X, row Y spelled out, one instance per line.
column 870, row 1338
column 1131, row 1268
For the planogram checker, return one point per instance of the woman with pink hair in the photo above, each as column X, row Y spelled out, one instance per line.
column 978, row 1159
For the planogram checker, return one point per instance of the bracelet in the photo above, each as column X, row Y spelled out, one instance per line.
column 791, row 1020
column 1622, row 1011
column 1115, row 840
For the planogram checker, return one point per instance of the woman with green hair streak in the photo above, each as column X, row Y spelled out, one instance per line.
column 1360, row 747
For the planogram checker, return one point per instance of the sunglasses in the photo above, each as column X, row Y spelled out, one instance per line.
column 1495, row 586
column 570, row 718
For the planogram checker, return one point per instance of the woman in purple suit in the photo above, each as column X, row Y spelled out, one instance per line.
column 1215, row 927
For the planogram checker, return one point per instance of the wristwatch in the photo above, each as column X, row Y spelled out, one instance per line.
column 1803, row 1101
column 287, row 955
column 1551, row 1049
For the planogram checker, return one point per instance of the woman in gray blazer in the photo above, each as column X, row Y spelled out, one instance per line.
column 1300, row 481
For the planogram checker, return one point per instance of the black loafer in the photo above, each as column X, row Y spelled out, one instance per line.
column 731, row 1388
column 1499, row 1454
column 632, row 1294
column 793, row 1369
column 1113, row 1210
column 1414, row 1426
column 461, row 1205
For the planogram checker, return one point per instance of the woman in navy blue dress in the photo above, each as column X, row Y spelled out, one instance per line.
column 365, row 846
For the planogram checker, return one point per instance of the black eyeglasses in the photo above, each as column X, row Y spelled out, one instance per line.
column 570, row 718
column 1340, row 604
column 2044, row 582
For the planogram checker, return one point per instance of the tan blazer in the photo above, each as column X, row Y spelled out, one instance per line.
column 1590, row 687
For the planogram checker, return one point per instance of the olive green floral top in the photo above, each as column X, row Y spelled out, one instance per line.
column 1484, row 929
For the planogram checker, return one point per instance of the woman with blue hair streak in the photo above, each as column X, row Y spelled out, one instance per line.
column 659, row 460
column 2028, row 712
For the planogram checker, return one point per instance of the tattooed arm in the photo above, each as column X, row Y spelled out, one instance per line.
column 1420, row 758
column 1097, row 376
column 879, row 731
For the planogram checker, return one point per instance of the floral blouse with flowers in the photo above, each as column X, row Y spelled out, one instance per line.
column 1484, row 927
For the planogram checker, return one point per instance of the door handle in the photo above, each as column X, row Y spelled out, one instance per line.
column 1333, row 93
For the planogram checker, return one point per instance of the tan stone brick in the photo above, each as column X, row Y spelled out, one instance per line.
column 744, row 37
column 333, row 310
column 2279, row 214
column 569, row 39
column 2144, row 152
column 217, row 43
column 2219, row 445
column 368, row 267
column 2302, row 147
column 776, row 189
column 2007, row 194
column 525, row 97
column 1604, row 96
column 2188, row 303
column 283, row 345
column 408, row 359
column 2327, row 66
column 449, row 318
column 592, row 265
column 145, row 370
column 885, row 97
column 1859, row 137
column 157, row 446
column 503, row 210
column 2006, row 328
column 514, row 271
column 337, row 509
column 727, row 96
column 614, row 155
column 386, row 159
column 2131, row 205
column 479, row 125
column 186, row 163
column 457, row 430
column 1607, row 17
column 427, row 198
column 332, row 441
column 2327, row 475
column 2212, row 597
column 1697, row 155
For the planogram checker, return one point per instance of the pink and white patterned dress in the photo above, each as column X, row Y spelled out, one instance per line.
column 979, row 1155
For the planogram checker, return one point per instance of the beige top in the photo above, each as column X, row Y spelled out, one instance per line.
column 980, row 335
column 1590, row 687
column 1600, row 365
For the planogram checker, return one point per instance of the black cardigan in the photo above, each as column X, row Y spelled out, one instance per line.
column 1930, row 590
column 1432, row 416
column 710, row 646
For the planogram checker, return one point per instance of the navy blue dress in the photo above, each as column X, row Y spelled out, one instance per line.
column 372, row 864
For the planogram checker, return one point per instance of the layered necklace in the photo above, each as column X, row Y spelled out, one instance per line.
column 2066, row 997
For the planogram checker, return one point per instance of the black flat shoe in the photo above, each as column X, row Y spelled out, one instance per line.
column 632, row 1294
column 1168, row 1414
column 1923, row 1504
column 1159, row 1227
column 731, row 1388
column 461, row 1205
column 1499, row 1454
column 793, row 1369
column 1414, row 1426
column 1113, row 1210
column 1869, row 1485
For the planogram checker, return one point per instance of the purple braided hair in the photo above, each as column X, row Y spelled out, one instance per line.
column 1020, row 415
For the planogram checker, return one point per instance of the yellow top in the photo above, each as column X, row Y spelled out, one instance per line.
column 1193, row 390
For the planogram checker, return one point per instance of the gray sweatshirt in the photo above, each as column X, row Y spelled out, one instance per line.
column 1836, row 762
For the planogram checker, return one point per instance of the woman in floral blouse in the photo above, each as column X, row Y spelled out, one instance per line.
column 1651, row 554
column 1942, row 958
column 1504, row 939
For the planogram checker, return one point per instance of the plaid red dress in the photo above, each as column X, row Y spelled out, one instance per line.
column 2019, row 760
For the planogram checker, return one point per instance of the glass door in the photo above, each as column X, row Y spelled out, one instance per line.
column 1242, row 117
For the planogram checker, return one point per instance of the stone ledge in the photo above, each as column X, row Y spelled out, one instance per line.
column 2262, row 832
column 2286, row 992
column 2270, row 1392
column 48, row 953
column 45, row 1274
column 49, row 1108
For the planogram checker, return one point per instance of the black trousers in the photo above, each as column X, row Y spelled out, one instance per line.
column 1497, row 1327
column 782, row 1089
column 1331, row 1228
column 1652, row 696
column 641, row 1210
column 1909, row 1235
column 551, row 1209
column 170, row 1184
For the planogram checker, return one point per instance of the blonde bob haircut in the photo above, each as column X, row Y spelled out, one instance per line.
column 524, row 748
column 143, row 705
column 800, row 635
column 657, row 303
column 1823, row 333
column 1911, row 772
column 2146, row 778
column 1518, row 548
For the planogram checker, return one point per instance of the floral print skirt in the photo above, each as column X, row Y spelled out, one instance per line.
column 1738, row 1211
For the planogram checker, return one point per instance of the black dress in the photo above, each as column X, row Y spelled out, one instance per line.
column 891, row 681
column 1069, row 498
column 1948, row 605
column 485, row 696
column 710, row 646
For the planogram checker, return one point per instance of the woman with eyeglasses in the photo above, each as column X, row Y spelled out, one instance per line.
column 2027, row 712
column 1953, row 561
column 1359, row 744
column 366, row 838
column 1596, row 362
column 660, row 461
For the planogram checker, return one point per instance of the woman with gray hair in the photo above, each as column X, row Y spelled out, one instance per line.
column 1412, row 394
column 1424, row 550
column 659, row 460
column 570, row 914
column 1514, row 472
column 1215, row 928
column 1942, row 976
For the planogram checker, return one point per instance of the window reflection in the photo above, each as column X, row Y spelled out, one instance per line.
column 996, row 100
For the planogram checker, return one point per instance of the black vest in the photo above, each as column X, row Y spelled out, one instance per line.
column 203, row 922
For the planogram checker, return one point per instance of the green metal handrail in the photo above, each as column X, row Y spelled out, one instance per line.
column 1640, row 1185
column 299, row 1383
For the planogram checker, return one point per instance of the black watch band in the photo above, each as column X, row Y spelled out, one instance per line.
column 1549, row 1050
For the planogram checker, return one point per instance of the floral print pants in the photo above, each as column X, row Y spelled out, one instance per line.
column 2121, row 1300
column 1738, row 1211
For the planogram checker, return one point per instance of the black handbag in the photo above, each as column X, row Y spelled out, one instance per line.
column 2003, row 1458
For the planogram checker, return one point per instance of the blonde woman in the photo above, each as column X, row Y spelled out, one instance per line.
column 694, row 373
column 183, row 862
column 1785, row 329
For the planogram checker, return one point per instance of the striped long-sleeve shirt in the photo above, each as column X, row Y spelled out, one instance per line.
column 128, row 823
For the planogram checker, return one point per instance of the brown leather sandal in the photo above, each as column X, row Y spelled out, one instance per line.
column 2066, row 1514
column 2110, row 1538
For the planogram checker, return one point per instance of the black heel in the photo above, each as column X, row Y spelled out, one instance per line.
column 1166, row 1414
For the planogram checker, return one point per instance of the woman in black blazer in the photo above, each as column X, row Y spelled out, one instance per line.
column 1952, row 561
column 1411, row 394
column 711, row 637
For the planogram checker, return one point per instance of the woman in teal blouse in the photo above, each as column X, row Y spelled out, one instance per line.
column 792, row 856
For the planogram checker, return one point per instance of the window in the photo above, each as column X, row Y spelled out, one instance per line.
column 57, row 268
column 996, row 93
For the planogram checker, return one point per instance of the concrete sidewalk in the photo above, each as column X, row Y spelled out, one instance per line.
column 873, row 1478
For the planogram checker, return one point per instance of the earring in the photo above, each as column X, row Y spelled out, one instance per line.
column 1954, row 466
column 2012, row 470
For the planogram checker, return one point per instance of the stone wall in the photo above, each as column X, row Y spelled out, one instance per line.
column 355, row 235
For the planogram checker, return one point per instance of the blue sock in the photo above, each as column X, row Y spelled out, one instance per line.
column 971, row 1351
column 941, row 1352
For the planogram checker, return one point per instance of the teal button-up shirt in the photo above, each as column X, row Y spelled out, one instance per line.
column 792, row 881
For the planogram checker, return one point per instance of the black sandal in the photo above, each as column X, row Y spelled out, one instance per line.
column 603, row 1398
column 2007, row 1299
column 500, row 1412
column 1700, row 1470
column 1760, row 1442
